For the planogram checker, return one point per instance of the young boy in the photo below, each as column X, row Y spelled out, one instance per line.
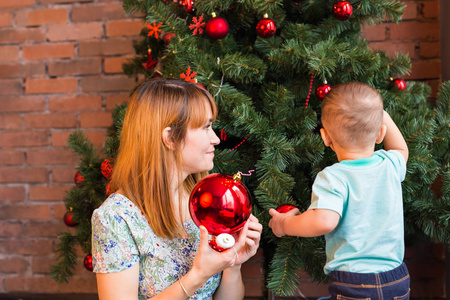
column 357, row 202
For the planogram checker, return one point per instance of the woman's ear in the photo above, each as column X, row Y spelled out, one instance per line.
column 167, row 139
column 381, row 134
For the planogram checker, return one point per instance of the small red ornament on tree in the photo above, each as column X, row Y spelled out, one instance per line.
column 197, row 25
column 167, row 37
column 68, row 219
column 78, row 178
column 284, row 208
column 322, row 90
column 150, row 64
column 342, row 10
column 153, row 29
column 88, row 262
column 188, row 5
column 217, row 28
column 399, row 83
column 106, row 167
column 266, row 28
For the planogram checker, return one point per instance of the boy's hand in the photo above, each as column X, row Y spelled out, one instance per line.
column 276, row 223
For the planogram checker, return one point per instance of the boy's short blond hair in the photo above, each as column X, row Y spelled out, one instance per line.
column 352, row 113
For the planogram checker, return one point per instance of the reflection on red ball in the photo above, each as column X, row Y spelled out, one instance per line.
column 68, row 219
column 342, row 10
column 399, row 83
column 322, row 90
column 220, row 203
column 88, row 262
column 266, row 28
column 217, row 28
column 284, row 208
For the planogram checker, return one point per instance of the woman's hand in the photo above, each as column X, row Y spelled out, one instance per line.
column 248, row 240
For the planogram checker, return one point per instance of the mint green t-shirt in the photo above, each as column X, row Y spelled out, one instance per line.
column 367, row 194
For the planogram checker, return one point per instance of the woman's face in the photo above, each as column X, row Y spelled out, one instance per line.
column 198, row 147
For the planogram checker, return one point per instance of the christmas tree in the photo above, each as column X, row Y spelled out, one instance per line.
column 268, row 64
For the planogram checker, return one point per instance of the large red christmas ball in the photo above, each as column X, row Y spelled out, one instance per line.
column 342, row 10
column 78, row 178
column 220, row 203
column 322, row 90
column 88, row 262
column 217, row 28
column 399, row 83
column 68, row 219
column 266, row 28
column 284, row 208
column 106, row 167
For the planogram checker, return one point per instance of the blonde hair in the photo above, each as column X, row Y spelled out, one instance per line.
column 142, row 169
column 352, row 113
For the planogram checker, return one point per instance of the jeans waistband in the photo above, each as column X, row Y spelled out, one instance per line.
column 370, row 278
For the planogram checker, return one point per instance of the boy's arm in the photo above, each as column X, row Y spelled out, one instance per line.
column 311, row 223
column 393, row 139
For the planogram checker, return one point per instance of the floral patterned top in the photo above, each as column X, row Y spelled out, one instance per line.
column 121, row 237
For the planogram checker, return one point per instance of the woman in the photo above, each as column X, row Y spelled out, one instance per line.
column 145, row 244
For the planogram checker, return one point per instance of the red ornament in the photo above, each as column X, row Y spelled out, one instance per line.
column 217, row 28
column 266, row 28
column 88, row 262
column 221, row 203
column 188, row 5
column 68, row 219
column 150, row 64
column 167, row 37
column 284, row 208
column 399, row 83
column 78, row 178
column 197, row 25
column 342, row 10
column 153, row 29
column 322, row 90
column 223, row 135
column 106, row 167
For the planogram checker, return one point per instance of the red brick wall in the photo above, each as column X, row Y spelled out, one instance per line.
column 60, row 70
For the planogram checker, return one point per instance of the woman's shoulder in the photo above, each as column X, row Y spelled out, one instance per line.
column 117, row 205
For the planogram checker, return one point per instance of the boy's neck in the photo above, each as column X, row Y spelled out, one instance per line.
column 353, row 154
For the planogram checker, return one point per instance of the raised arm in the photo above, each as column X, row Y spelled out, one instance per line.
column 393, row 140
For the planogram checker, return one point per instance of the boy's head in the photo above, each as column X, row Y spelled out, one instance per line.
column 352, row 114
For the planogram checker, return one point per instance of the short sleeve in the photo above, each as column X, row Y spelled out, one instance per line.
column 397, row 160
column 113, row 247
column 328, row 193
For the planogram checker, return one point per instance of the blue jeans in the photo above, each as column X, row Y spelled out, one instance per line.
column 392, row 285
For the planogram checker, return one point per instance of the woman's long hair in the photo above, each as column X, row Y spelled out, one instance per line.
column 144, row 164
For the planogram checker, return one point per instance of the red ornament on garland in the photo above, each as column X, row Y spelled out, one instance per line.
column 188, row 5
column 217, row 28
column 221, row 203
column 106, row 167
column 167, row 37
column 342, row 10
column 266, row 28
column 322, row 90
column 284, row 208
column 88, row 262
column 399, row 83
column 68, row 219
column 78, row 179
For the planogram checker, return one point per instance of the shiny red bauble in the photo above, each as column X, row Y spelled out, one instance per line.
column 221, row 203
column 342, row 10
column 322, row 90
column 107, row 167
column 266, row 28
column 284, row 208
column 188, row 5
column 68, row 219
column 399, row 83
column 168, row 37
column 78, row 179
column 217, row 28
column 88, row 262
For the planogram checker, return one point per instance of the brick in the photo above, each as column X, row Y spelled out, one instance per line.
column 430, row 9
column 392, row 47
column 10, row 70
column 11, row 87
column 96, row 137
column 124, row 28
column 42, row 284
column 51, row 86
column 430, row 50
column 63, row 175
column 106, row 47
column 26, row 247
column 23, row 139
column 375, row 33
column 114, row 64
column 89, row 284
column 22, row 35
column 41, row 264
column 10, row 122
column 11, row 157
column 45, row 229
column 25, row 212
column 58, row 211
column 418, row 30
column 21, row 70
column 47, row 51
column 77, row 103
column 410, row 11
column 45, row 2
column 5, row 19
column 50, row 120
column 88, row 13
column 83, row 66
column 425, row 69
column 81, row 31
column 112, row 100
column 27, row 104
column 95, row 120
column 10, row 229
column 11, row 265
column 12, row 194
column 14, row 284
column 6, row 4
column 41, row 17
column 112, row 83
column 51, row 157
column 9, row 53
column 23, row 175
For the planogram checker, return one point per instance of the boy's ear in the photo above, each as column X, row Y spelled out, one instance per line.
column 166, row 137
column 325, row 137
column 381, row 134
